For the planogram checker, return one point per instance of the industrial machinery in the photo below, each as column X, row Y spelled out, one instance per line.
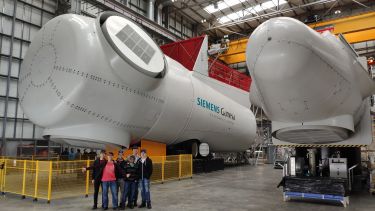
column 105, row 81
column 315, row 89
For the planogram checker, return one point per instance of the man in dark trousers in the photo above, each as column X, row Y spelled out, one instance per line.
column 145, row 172
column 131, row 177
column 120, row 180
column 97, row 172
column 136, row 159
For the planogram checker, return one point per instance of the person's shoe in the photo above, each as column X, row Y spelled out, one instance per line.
column 115, row 208
column 149, row 205
column 128, row 205
column 105, row 208
column 135, row 204
column 122, row 207
column 131, row 206
column 94, row 207
column 142, row 205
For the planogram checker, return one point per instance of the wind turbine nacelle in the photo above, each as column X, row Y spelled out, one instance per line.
column 312, row 86
column 94, row 82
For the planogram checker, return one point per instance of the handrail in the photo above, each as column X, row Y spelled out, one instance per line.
column 351, row 175
column 50, row 180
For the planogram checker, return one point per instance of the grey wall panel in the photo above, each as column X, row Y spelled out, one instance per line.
column 24, row 12
column 11, row 109
column 2, row 106
column 36, row 16
column 12, row 148
column 171, row 21
column 38, row 132
column 5, row 45
column 20, row 113
column 7, row 6
column 37, row 3
column 13, row 88
column 15, row 68
column 33, row 31
column 50, row 5
column 6, row 24
column 26, row 32
column 18, row 29
column 19, row 129
column 25, row 130
column 9, row 129
column 4, row 64
column 25, row 46
column 16, row 48
column 3, row 86
column 178, row 25
column 46, row 17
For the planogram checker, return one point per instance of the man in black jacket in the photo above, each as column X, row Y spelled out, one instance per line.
column 120, row 180
column 145, row 172
column 137, row 157
column 131, row 177
column 97, row 172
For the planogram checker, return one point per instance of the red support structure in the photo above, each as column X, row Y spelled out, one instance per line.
column 225, row 74
column 186, row 53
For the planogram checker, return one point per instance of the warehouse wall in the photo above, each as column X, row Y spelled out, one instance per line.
column 175, row 23
column 20, row 20
column 180, row 26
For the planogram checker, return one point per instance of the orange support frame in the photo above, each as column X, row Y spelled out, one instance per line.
column 357, row 28
column 153, row 149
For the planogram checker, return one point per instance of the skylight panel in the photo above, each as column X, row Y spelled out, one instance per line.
column 254, row 10
column 221, row 5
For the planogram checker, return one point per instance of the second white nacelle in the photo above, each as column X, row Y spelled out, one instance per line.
column 312, row 84
column 105, row 81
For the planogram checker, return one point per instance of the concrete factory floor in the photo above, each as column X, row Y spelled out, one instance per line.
column 240, row 188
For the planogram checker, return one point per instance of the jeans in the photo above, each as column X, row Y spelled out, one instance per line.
column 121, row 189
column 130, row 187
column 135, row 198
column 113, row 186
column 144, row 186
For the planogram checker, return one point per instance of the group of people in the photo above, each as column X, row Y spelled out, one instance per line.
column 124, row 176
column 77, row 155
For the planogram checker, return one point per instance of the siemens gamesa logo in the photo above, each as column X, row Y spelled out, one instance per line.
column 215, row 108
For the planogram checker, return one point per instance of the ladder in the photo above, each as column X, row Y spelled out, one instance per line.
column 259, row 155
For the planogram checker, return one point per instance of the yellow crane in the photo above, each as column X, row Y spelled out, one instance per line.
column 357, row 28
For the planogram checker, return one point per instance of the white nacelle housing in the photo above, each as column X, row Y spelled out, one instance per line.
column 312, row 86
column 105, row 81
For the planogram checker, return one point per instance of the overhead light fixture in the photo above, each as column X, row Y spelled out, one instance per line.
column 221, row 5
column 337, row 12
column 216, row 6
column 203, row 20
